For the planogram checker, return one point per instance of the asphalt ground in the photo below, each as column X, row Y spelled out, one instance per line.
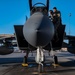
column 65, row 59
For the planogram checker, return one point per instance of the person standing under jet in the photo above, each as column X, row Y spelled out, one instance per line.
column 56, row 18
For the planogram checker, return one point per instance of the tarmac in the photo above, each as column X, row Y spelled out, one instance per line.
column 66, row 66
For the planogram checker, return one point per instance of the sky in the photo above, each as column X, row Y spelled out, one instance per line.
column 14, row 12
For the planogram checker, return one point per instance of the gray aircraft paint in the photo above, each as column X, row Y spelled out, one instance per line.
column 38, row 30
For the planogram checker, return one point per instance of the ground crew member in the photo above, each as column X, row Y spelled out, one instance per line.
column 56, row 18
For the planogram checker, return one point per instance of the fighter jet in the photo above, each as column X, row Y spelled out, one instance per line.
column 38, row 32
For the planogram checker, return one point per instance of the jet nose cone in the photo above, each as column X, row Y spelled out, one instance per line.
column 38, row 30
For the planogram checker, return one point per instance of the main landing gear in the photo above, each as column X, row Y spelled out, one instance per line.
column 25, row 63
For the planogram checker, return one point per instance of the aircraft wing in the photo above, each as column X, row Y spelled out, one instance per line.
column 71, row 43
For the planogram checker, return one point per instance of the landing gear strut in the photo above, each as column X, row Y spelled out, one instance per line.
column 25, row 63
column 39, row 59
column 40, row 68
column 55, row 64
column 55, row 59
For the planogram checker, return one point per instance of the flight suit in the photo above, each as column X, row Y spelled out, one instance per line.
column 57, row 23
column 57, row 19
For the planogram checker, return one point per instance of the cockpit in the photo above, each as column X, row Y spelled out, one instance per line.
column 42, row 8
